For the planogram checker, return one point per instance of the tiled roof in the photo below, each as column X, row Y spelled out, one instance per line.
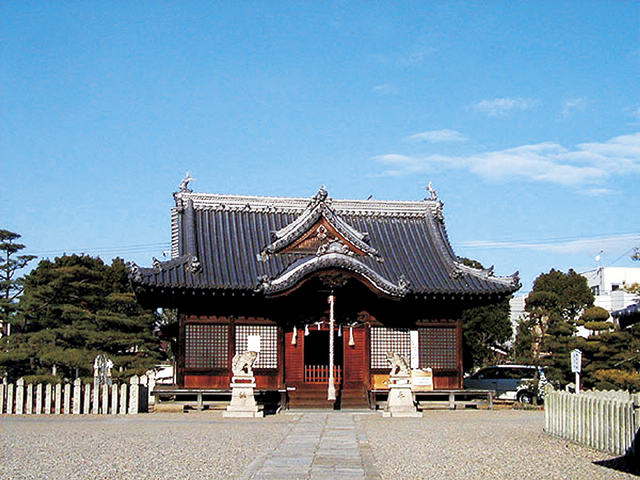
column 237, row 242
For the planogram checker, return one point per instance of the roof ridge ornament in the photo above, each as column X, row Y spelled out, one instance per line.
column 319, row 209
column 321, row 196
column 157, row 266
column 433, row 194
column 184, row 184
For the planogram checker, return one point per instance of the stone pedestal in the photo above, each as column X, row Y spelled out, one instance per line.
column 243, row 402
column 400, row 401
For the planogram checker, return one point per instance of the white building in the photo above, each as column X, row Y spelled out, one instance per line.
column 606, row 283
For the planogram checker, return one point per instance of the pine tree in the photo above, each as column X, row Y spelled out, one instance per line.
column 553, row 308
column 11, row 285
column 484, row 329
column 73, row 309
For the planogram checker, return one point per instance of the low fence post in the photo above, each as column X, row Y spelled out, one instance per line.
column 10, row 398
column 123, row 399
column 77, row 396
column 143, row 397
column 105, row 399
column 39, row 399
column 2, row 398
column 20, row 396
column 95, row 398
column 58, row 405
column 635, row 448
column 114, row 399
column 28, row 408
column 47, row 399
column 67, row 399
column 134, row 395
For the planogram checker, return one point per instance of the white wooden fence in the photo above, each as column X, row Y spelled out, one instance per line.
column 605, row 420
column 75, row 398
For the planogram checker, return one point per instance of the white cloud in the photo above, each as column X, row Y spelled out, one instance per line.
column 587, row 165
column 571, row 106
column 609, row 243
column 385, row 89
column 416, row 57
column 499, row 107
column 436, row 136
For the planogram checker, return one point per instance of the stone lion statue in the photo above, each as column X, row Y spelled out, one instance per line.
column 243, row 362
column 399, row 364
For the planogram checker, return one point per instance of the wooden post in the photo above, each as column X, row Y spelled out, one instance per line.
column 77, row 396
column 67, row 399
column 143, row 396
column 105, row 399
column 123, row 399
column 47, row 398
column 29, row 406
column 95, row 408
column 1, row 398
column 134, row 393
column 114, row 399
column 86, row 405
column 58, row 399
column 20, row 396
column 10, row 398
column 39, row 399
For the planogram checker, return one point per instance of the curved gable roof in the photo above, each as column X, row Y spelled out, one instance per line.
column 236, row 242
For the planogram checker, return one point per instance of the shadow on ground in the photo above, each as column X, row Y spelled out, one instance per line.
column 622, row 464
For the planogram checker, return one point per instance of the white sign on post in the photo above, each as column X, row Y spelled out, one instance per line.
column 576, row 366
column 415, row 354
column 253, row 343
column 576, row 361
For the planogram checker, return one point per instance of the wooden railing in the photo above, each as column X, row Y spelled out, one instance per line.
column 605, row 420
column 75, row 398
column 320, row 374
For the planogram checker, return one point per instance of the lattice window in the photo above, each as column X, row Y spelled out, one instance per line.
column 385, row 340
column 268, row 356
column 206, row 346
column 438, row 348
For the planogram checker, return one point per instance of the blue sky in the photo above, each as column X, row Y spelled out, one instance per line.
column 525, row 116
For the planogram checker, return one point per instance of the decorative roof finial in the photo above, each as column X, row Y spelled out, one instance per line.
column 184, row 184
column 432, row 192
column 321, row 196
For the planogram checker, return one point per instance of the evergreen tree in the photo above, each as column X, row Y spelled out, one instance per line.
column 547, row 336
column 73, row 309
column 11, row 285
column 485, row 329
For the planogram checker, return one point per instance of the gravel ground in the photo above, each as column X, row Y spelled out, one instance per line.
column 505, row 444
column 193, row 445
column 481, row 444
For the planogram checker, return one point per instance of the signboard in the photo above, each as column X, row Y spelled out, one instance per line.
column 253, row 343
column 576, row 361
column 415, row 356
column 422, row 380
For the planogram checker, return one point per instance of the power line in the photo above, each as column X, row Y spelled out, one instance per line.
column 139, row 248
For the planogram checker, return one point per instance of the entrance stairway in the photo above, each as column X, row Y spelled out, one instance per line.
column 354, row 396
column 314, row 395
column 311, row 395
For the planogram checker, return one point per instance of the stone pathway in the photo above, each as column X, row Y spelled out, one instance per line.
column 320, row 445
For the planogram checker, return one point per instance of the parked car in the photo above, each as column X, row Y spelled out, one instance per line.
column 511, row 382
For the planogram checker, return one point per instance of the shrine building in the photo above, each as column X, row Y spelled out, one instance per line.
column 294, row 273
